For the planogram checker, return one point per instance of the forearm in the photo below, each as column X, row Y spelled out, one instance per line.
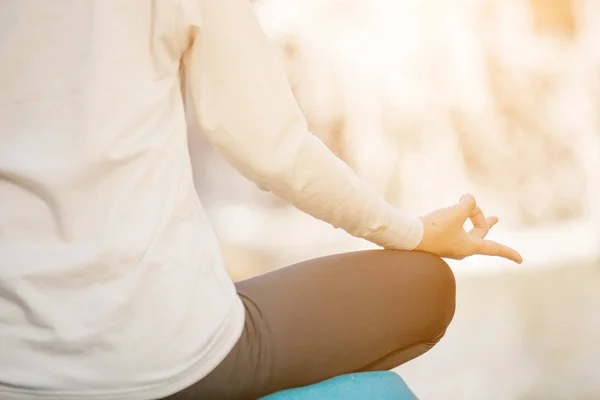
column 320, row 184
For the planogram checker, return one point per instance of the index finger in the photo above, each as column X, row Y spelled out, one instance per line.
column 478, row 218
column 480, row 225
column 491, row 248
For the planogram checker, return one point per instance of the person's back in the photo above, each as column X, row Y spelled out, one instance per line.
column 104, row 247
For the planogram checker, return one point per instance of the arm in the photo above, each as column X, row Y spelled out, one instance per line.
column 248, row 112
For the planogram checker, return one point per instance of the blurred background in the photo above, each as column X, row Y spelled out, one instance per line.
column 427, row 100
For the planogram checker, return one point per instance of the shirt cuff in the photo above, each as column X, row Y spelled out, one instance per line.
column 403, row 232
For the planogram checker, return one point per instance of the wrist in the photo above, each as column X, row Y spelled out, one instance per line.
column 404, row 232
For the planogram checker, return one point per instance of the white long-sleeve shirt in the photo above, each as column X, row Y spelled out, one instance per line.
column 111, row 279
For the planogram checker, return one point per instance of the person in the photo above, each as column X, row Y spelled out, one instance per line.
column 111, row 280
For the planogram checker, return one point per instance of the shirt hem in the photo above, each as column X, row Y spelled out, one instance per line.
column 234, row 324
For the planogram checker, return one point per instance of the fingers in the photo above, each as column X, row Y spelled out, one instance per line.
column 478, row 219
column 467, row 204
column 482, row 225
column 491, row 248
column 464, row 208
column 491, row 221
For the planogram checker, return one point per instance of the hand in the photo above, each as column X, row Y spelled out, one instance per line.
column 445, row 236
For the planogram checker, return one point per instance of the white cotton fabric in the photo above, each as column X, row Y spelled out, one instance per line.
column 111, row 281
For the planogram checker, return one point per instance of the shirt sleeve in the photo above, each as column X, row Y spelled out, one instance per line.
column 248, row 112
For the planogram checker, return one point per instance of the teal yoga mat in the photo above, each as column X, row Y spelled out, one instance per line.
column 360, row 386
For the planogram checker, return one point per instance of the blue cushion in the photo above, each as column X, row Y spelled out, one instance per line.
column 385, row 385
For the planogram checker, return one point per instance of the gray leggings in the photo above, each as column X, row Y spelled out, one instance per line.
column 362, row 311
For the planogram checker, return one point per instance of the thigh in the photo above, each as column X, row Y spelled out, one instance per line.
column 334, row 315
column 344, row 313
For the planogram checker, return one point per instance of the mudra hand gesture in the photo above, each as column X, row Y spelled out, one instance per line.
column 445, row 235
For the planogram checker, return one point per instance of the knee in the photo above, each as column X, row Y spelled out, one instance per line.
column 440, row 287
column 428, row 283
